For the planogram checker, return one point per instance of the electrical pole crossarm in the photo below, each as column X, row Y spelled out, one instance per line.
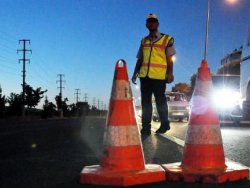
column 24, row 60
column 63, row 81
column 24, row 40
column 24, row 50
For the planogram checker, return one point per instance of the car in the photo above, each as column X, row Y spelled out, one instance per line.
column 138, row 111
column 178, row 107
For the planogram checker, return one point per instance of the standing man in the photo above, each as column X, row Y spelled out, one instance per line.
column 155, row 68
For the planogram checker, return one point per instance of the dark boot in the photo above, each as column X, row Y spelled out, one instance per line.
column 146, row 130
column 163, row 128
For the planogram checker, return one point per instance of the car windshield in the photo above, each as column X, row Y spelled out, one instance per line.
column 176, row 97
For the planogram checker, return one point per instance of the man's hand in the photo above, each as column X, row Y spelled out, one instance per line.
column 170, row 78
column 133, row 79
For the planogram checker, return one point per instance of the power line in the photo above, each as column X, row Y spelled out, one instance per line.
column 10, row 73
column 8, row 67
column 24, row 60
column 5, row 34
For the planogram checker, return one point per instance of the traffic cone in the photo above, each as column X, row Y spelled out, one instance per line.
column 203, row 155
column 122, row 161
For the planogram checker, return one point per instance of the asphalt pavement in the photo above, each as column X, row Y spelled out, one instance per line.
column 52, row 153
column 236, row 138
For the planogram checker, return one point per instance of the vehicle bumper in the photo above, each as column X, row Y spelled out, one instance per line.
column 178, row 114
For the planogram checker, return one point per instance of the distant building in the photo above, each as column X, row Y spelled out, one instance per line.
column 83, row 108
column 245, row 77
column 233, row 58
column 230, row 64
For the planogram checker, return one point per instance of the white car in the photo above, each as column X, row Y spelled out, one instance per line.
column 178, row 107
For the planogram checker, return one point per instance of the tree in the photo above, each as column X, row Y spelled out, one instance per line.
column 193, row 80
column 33, row 97
column 15, row 104
column 62, row 104
column 183, row 88
column 58, row 102
column 73, row 109
column 65, row 107
column 49, row 109
column 2, row 103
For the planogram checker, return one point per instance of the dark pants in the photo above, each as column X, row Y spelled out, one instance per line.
column 156, row 87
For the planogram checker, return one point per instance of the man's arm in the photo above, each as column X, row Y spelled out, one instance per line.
column 136, row 70
column 170, row 76
column 138, row 64
column 170, row 52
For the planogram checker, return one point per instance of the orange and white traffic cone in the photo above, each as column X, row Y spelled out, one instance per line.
column 203, row 155
column 122, row 161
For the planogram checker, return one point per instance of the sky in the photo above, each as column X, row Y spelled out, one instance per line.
column 83, row 39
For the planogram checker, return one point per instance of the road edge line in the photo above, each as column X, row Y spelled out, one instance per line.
column 172, row 138
column 182, row 143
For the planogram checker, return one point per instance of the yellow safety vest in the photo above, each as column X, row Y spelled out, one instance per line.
column 154, row 58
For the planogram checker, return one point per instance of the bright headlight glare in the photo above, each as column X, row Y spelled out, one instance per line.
column 238, row 95
column 225, row 98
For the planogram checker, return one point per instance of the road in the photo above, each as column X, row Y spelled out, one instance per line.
column 236, row 139
column 52, row 153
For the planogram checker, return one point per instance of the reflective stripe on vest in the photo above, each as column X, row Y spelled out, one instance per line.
column 154, row 58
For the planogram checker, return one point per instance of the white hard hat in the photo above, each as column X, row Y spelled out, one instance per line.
column 152, row 15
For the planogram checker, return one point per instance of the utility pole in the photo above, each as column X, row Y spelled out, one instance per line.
column 101, row 105
column 85, row 97
column 77, row 99
column 77, row 95
column 98, row 103
column 24, row 60
column 93, row 102
column 61, row 81
column 101, row 108
column 98, row 106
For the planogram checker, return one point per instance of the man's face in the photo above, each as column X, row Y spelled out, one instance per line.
column 152, row 24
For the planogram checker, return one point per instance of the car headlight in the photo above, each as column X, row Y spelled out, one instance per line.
column 139, row 112
column 225, row 98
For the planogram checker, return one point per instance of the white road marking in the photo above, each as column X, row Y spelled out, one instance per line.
column 171, row 138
